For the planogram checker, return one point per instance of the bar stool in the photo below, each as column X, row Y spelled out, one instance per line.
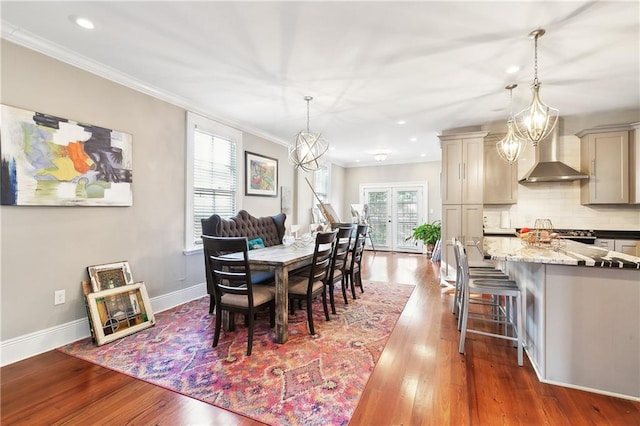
column 492, row 287
column 482, row 272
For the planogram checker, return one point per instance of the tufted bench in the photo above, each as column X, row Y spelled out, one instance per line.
column 270, row 229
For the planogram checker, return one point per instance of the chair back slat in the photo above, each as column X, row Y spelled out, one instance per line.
column 226, row 259
column 341, row 250
column 322, row 255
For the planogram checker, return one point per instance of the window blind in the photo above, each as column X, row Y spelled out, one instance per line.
column 214, row 179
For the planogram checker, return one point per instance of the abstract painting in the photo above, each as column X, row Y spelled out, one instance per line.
column 53, row 161
column 261, row 175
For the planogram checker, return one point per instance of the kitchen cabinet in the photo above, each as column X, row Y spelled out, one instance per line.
column 634, row 164
column 631, row 247
column 462, row 195
column 604, row 156
column 462, row 221
column 607, row 243
column 462, row 168
column 500, row 177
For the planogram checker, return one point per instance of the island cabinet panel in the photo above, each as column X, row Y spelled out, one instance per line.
column 604, row 156
column 500, row 177
column 582, row 312
column 462, row 168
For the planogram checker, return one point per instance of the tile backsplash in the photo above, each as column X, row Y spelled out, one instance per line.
column 560, row 201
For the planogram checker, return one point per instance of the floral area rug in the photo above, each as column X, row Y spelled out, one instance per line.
column 310, row 380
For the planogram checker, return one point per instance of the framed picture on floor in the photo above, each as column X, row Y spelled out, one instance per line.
column 110, row 275
column 261, row 175
column 120, row 311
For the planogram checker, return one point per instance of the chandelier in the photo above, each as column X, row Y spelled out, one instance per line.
column 536, row 122
column 307, row 150
column 511, row 145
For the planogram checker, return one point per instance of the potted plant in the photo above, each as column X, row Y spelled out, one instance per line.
column 428, row 233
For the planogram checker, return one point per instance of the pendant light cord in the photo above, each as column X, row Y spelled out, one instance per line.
column 535, row 59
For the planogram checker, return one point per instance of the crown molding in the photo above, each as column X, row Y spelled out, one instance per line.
column 31, row 41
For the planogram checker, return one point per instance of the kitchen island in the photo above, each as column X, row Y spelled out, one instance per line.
column 582, row 312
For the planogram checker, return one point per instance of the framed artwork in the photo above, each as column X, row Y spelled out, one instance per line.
column 119, row 311
column 53, row 161
column 110, row 275
column 261, row 175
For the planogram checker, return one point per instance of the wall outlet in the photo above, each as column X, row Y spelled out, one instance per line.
column 59, row 297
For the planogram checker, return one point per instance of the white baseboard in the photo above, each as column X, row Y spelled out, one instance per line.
column 31, row 344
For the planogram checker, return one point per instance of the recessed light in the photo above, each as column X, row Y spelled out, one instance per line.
column 332, row 148
column 423, row 155
column 401, row 122
column 82, row 22
column 413, row 139
column 512, row 69
column 357, row 161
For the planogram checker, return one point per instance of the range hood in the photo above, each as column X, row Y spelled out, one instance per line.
column 547, row 167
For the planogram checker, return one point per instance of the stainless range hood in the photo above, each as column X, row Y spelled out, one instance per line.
column 547, row 167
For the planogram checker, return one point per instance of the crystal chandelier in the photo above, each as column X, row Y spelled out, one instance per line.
column 307, row 150
column 536, row 122
column 511, row 145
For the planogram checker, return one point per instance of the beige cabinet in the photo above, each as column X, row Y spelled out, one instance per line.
column 462, row 168
column 607, row 243
column 463, row 221
column 462, row 194
column 604, row 156
column 500, row 177
column 631, row 247
column 634, row 164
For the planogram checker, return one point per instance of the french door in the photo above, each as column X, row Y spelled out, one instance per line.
column 393, row 213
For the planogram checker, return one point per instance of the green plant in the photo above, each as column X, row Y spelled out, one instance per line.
column 428, row 233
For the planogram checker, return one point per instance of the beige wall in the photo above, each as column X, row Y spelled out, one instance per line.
column 413, row 172
column 44, row 249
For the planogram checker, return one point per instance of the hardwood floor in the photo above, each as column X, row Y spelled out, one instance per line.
column 420, row 379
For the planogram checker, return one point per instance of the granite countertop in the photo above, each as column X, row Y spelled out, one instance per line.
column 567, row 253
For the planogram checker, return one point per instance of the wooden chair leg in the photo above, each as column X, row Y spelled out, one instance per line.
column 216, row 334
column 353, row 284
column 212, row 303
column 344, row 288
column 250, row 332
column 310, row 316
column 324, row 305
column 333, row 303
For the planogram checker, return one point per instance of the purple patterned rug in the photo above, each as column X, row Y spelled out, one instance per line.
column 309, row 380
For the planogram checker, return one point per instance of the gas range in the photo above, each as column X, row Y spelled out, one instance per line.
column 579, row 235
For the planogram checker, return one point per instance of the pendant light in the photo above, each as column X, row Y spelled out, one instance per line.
column 536, row 122
column 307, row 150
column 511, row 145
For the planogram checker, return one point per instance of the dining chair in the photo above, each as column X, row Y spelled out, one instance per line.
column 338, row 264
column 354, row 264
column 306, row 288
column 227, row 266
column 492, row 287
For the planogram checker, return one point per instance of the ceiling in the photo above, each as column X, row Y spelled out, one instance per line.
column 368, row 65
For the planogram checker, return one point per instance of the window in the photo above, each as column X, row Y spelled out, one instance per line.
column 213, row 177
column 321, row 183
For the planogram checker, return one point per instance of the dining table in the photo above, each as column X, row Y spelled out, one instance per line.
column 282, row 259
